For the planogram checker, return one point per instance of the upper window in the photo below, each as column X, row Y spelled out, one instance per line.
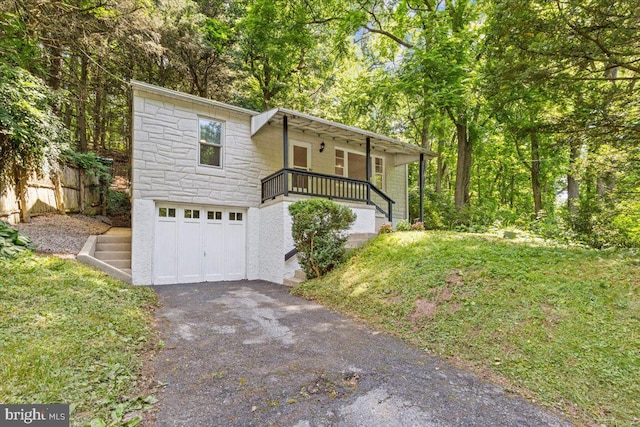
column 210, row 137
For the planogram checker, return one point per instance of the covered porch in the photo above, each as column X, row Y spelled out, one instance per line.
column 358, row 173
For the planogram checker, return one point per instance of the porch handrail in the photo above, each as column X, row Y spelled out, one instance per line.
column 322, row 185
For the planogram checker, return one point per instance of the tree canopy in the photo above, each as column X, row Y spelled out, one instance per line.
column 532, row 105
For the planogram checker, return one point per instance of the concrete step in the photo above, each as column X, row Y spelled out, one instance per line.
column 113, row 246
column 113, row 238
column 122, row 231
column 358, row 239
column 292, row 282
column 119, row 263
column 113, row 255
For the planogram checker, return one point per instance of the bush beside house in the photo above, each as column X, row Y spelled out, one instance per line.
column 319, row 232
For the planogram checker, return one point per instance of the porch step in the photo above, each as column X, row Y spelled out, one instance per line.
column 298, row 277
column 292, row 282
column 358, row 239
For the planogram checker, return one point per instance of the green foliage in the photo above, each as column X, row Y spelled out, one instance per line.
column 90, row 163
column 16, row 47
column 555, row 323
column 439, row 210
column 72, row 334
column 417, row 226
column 385, row 228
column 31, row 136
column 118, row 203
column 318, row 231
column 12, row 242
column 284, row 57
column 601, row 224
column 403, row 226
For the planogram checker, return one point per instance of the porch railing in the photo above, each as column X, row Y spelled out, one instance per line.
column 293, row 181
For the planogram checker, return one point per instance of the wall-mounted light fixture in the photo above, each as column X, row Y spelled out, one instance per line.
column 322, row 146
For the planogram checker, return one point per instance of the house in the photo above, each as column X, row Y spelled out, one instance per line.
column 212, row 184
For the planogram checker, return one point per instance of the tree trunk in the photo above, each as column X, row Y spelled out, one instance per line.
column 573, row 186
column 55, row 74
column 83, row 145
column 21, row 177
column 535, row 173
column 463, row 171
column 98, row 117
column 442, row 167
column 512, row 189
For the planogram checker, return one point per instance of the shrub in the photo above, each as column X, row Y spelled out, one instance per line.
column 319, row 234
column 417, row 226
column 118, row 203
column 12, row 242
column 403, row 226
column 385, row 228
column 91, row 163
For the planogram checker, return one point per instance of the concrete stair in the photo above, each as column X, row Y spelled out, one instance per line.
column 298, row 277
column 114, row 249
column 358, row 239
column 110, row 252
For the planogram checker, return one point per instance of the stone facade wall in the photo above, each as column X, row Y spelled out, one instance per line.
column 165, row 155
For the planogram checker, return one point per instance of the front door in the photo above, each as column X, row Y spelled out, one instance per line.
column 301, row 156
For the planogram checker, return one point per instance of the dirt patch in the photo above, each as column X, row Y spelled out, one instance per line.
column 62, row 235
column 454, row 279
column 393, row 300
column 427, row 308
column 423, row 309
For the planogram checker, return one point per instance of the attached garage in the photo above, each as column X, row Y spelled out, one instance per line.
column 198, row 244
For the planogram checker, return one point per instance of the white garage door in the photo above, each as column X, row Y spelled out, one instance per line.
column 199, row 244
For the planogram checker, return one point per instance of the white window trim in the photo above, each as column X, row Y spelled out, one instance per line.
column 223, row 138
column 306, row 145
column 373, row 164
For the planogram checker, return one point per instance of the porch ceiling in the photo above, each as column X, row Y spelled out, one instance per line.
column 334, row 131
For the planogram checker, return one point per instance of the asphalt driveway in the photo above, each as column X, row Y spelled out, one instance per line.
column 249, row 354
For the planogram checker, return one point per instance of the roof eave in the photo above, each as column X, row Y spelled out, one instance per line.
column 259, row 121
column 173, row 94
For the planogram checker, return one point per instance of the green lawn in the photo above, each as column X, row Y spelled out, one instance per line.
column 561, row 326
column 70, row 334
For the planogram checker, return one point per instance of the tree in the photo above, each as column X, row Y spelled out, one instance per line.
column 427, row 53
column 574, row 65
column 31, row 136
column 282, row 54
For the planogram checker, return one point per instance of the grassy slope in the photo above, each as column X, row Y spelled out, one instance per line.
column 70, row 334
column 562, row 325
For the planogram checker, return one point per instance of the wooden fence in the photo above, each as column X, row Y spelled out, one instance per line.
column 72, row 191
